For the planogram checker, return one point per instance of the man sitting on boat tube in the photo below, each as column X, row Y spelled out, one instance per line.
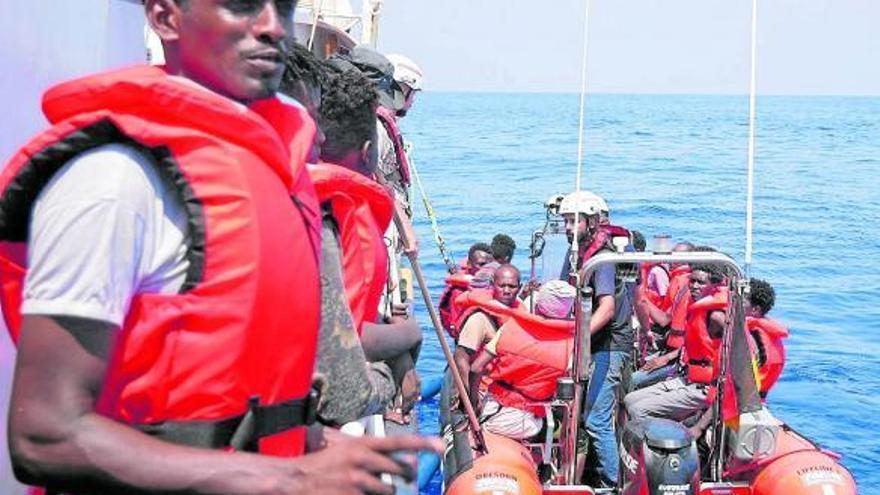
column 528, row 354
column 481, row 316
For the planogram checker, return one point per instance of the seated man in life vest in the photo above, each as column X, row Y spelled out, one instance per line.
column 483, row 311
column 766, row 335
column 528, row 354
column 478, row 256
column 686, row 395
column 665, row 316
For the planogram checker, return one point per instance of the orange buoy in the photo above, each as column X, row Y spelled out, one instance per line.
column 508, row 469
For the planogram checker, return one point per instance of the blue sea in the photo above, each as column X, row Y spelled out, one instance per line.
column 676, row 165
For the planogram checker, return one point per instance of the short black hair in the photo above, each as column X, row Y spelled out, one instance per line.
column 716, row 272
column 638, row 241
column 503, row 247
column 348, row 113
column 762, row 295
column 480, row 246
column 301, row 65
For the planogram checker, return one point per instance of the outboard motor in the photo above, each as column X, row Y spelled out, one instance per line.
column 658, row 457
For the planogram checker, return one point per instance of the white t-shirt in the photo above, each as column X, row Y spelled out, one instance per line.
column 106, row 227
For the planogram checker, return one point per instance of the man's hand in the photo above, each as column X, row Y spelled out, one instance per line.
column 655, row 363
column 354, row 465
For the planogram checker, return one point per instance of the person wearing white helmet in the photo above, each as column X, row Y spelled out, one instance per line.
column 611, row 330
column 408, row 76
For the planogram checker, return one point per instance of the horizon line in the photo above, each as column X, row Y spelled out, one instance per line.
column 647, row 93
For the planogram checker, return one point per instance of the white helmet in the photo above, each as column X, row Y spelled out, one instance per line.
column 406, row 71
column 583, row 202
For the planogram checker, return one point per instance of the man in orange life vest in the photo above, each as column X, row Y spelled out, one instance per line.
column 766, row 335
column 458, row 283
column 682, row 397
column 354, row 387
column 668, row 314
column 362, row 210
column 177, row 331
column 530, row 352
column 479, row 323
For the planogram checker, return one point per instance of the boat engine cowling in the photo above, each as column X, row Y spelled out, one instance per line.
column 658, row 457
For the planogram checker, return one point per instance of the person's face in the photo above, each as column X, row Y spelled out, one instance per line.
column 752, row 310
column 234, row 47
column 478, row 259
column 700, row 285
column 505, row 287
column 582, row 228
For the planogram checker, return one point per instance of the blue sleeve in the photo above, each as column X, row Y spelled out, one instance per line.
column 603, row 281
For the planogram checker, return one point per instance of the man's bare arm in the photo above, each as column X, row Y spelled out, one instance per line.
column 56, row 438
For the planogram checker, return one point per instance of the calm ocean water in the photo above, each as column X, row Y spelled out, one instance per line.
column 676, row 165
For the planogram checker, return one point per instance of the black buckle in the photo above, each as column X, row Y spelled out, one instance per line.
column 262, row 421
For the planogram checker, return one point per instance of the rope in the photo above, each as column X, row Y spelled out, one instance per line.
column 429, row 211
column 751, row 156
column 580, row 153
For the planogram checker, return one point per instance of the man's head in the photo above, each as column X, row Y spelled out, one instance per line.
column 408, row 76
column 555, row 299
column 348, row 119
column 588, row 208
column 761, row 299
column 705, row 278
column 234, row 48
column 478, row 255
column 503, row 248
column 506, row 284
column 638, row 241
column 303, row 76
column 681, row 247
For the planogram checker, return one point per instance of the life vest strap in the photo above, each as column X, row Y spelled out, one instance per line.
column 241, row 432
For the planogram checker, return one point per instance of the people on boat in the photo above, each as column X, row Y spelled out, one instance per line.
column 528, row 354
column 173, row 336
column 610, row 327
column 483, row 312
column 766, row 335
column 693, row 391
column 666, row 317
column 503, row 247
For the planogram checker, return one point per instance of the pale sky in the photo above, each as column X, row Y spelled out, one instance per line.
column 639, row 46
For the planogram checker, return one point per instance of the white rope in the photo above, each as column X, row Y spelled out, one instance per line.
column 751, row 157
column 316, row 15
column 580, row 152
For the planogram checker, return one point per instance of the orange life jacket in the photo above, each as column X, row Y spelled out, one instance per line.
column 481, row 300
column 703, row 356
column 245, row 323
column 363, row 210
column 389, row 122
column 450, row 313
column 767, row 335
column 679, row 297
column 532, row 353
column 650, row 294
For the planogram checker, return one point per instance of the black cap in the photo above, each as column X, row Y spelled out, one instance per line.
column 377, row 68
